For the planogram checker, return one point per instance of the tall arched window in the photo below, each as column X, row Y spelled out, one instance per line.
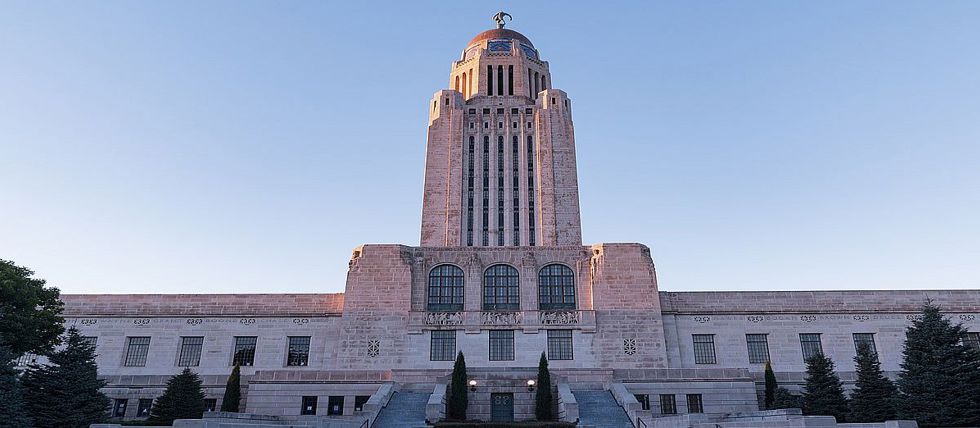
column 445, row 288
column 457, row 83
column 556, row 287
column 501, row 289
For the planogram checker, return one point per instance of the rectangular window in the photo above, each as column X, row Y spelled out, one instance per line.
column 560, row 345
column 90, row 340
column 360, row 401
column 810, row 343
column 704, row 349
column 694, row 403
column 308, row 406
column 972, row 340
column 210, row 404
column 867, row 339
column 143, row 407
column 758, row 348
column 190, row 351
column 644, row 400
column 668, row 404
column 119, row 407
column 443, row 345
column 335, row 405
column 299, row 351
column 501, row 345
column 136, row 350
column 244, row 351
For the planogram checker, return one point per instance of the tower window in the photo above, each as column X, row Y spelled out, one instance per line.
column 500, row 80
column 536, row 90
column 528, row 111
column 486, row 191
column 530, row 190
column 500, row 111
column 489, row 80
column 471, row 125
column 514, row 111
column 486, row 111
column 529, row 125
column 530, row 86
column 500, row 125
column 516, row 191
column 486, row 125
column 510, row 80
column 469, row 196
column 515, row 125
column 472, row 111
column 500, row 189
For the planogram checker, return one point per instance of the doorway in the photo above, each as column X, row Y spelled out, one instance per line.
column 501, row 407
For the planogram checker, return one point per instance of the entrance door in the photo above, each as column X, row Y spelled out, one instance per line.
column 501, row 407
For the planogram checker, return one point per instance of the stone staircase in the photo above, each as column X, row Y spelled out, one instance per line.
column 404, row 410
column 599, row 409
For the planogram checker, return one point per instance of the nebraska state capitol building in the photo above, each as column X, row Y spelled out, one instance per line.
column 502, row 275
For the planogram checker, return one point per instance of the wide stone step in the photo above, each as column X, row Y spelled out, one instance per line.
column 404, row 410
column 599, row 409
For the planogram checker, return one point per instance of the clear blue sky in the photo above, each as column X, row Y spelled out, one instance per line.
column 237, row 146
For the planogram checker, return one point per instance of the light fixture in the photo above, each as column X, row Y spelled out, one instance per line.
column 530, row 385
column 473, row 385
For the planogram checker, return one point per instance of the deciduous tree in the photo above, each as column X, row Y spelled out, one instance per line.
column 30, row 313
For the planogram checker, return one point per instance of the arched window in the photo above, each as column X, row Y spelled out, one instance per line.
column 445, row 288
column 501, row 289
column 556, row 287
column 457, row 83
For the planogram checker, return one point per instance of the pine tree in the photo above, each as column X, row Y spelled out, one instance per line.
column 66, row 393
column 233, row 391
column 458, row 400
column 183, row 399
column 940, row 377
column 824, row 393
column 771, row 386
column 13, row 412
column 783, row 399
column 543, row 399
column 874, row 395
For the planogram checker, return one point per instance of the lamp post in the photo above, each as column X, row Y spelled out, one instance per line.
column 530, row 385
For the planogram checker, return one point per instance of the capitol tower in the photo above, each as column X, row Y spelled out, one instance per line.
column 500, row 159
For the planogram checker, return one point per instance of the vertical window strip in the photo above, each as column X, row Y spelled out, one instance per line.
column 500, row 80
column 668, row 404
column 486, row 191
column 489, row 80
column 500, row 191
column 469, row 195
column 694, row 403
column 758, row 347
column 530, row 190
column 704, row 349
column 516, row 174
column 530, row 87
column 510, row 80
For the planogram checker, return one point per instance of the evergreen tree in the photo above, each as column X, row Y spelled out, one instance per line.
column 544, row 401
column 783, row 399
column 771, row 386
column 13, row 413
column 940, row 377
column 183, row 399
column 874, row 395
column 233, row 391
column 824, row 393
column 66, row 393
column 458, row 400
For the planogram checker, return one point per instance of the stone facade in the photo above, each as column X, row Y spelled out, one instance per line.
column 502, row 276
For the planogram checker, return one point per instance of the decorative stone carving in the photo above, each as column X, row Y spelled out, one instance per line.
column 194, row 321
column 502, row 318
column 141, row 321
column 374, row 348
column 702, row 319
column 629, row 346
column 861, row 318
column 914, row 317
column 301, row 321
column 89, row 321
column 968, row 317
column 443, row 318
column 561, row 317
column 808, row 318
column 247, row 321
column 755, row 318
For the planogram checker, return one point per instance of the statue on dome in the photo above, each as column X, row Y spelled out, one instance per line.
column 499, row 18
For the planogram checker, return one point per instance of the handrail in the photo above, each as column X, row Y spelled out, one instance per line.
column 640, row 423
column 365, row 424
